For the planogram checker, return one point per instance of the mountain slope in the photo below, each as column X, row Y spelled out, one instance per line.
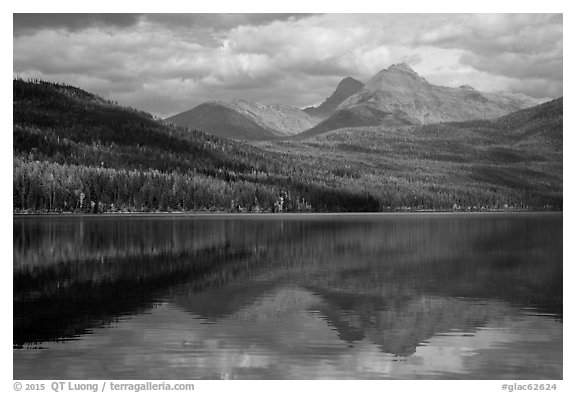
column 539, row 127
column 223, row 121
column 346, row 88
column 75, row 152
column 245, row 120
column 540, row 124
column 398, row 95
column 516, row 155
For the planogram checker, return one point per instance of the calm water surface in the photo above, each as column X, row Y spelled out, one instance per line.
column 433, row 296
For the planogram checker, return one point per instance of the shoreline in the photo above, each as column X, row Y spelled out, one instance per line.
column 220, row 214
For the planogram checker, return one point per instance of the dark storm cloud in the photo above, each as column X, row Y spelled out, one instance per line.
column 29, row 23
column 220, row 21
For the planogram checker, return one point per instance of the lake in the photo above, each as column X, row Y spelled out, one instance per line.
column 368, row 296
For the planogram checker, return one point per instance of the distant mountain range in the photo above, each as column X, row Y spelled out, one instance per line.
column 395, row 96
column 399, row 96
column 246, row 120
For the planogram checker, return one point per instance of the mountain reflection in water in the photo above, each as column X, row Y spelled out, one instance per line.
column 368, row 296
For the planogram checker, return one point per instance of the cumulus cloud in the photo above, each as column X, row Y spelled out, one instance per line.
column 166, row 63
column 489, row 34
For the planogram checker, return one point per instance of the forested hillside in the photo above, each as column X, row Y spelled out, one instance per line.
column 512, row 162
column 75, row 152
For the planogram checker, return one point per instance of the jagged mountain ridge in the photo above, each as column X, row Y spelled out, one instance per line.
column 246, row 120
column 398, row 95
column 395, row 96
column 399, row 87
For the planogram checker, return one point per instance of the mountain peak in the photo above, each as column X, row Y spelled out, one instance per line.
column 401, row 67
column 349, row 81
column 397, row 95
column 347, row 87
column 399, row 78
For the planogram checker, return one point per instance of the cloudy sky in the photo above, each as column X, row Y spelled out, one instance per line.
column 167, row 63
